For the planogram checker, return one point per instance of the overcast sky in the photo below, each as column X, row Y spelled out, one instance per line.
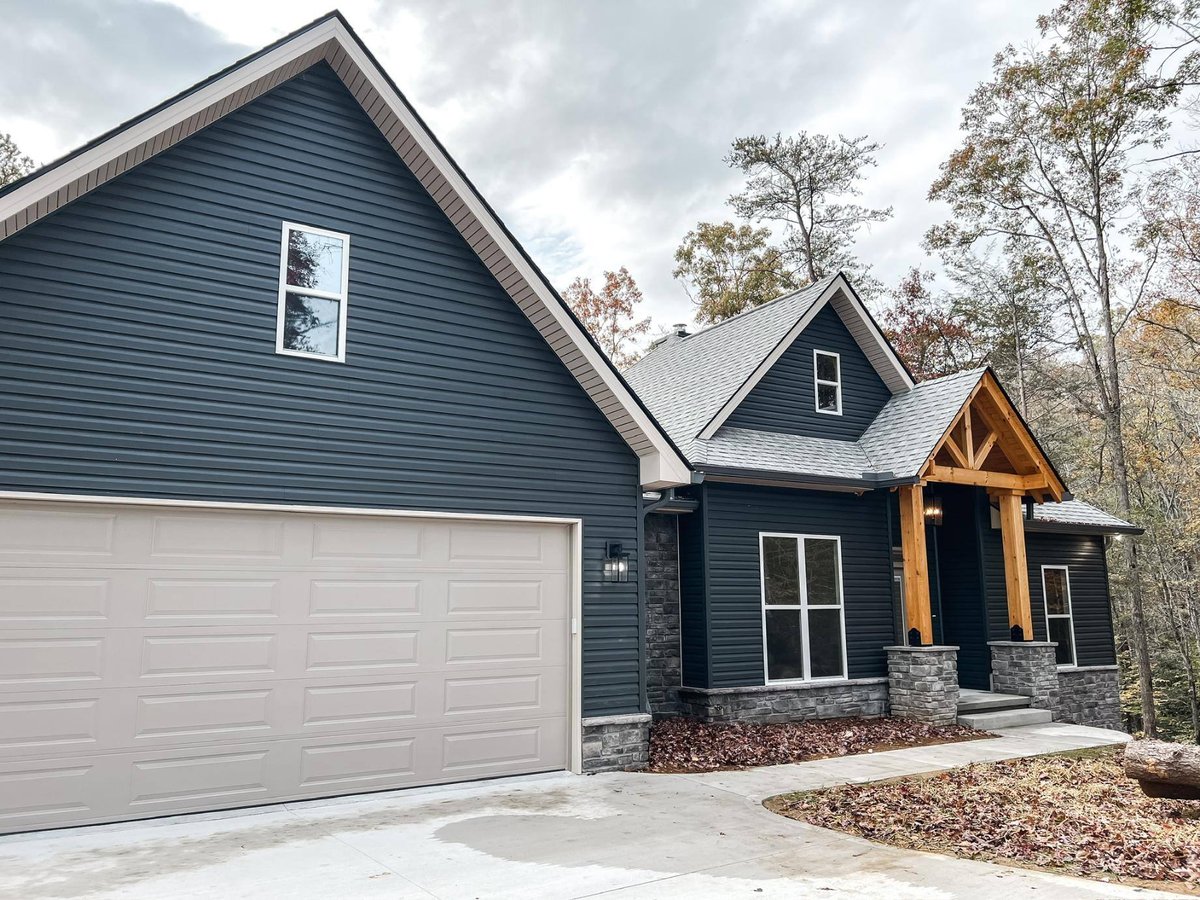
column 595, row 127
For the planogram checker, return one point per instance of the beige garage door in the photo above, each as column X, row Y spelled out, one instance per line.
column 157, row 660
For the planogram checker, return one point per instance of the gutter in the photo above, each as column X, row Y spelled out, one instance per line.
column 866, row 482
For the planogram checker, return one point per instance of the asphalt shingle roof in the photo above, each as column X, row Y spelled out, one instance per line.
column 778, row 452
column 686, row 380
column 1080, row 514
column 910, row 424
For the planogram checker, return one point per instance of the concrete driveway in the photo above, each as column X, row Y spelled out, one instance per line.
column 630, row 835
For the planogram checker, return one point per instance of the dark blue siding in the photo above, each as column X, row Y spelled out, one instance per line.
column 137, row 354
column 735, row 515
column 785, row 400
column 1090, row 603
column 960, row 576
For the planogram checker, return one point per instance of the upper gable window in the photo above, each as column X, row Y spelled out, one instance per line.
column 827, row 369
column 314, row 271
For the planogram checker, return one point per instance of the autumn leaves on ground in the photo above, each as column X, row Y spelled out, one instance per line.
column 1077, row 814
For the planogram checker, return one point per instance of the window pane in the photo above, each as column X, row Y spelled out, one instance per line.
column 821, row 572
column 314, row 261
column 827, row 367
column 1060, row 631
column 827, row 397
column 781, row 568
column 825, row 642
column 310, row 324
column 1057, row 603
column 785, row 649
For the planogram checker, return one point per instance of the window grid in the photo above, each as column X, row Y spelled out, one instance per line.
column 819, row 382
column 1069, row 615
column 803, row 607
column 341, row 296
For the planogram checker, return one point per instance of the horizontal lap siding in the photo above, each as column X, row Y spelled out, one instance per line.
column 784, row 400
column 138, row 356
column 736, row 514
column 1084, row 554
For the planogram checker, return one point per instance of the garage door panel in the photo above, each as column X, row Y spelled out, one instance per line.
column 156, row 661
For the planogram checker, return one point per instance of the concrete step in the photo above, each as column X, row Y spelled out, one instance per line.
column 1005, row 718
column 981, row 701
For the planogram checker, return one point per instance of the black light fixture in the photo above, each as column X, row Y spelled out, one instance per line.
column 933, row 509
column 616, row 562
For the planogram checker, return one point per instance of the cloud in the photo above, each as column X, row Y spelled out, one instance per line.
column 595, row 128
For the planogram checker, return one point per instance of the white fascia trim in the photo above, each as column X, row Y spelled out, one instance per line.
column 662, row 467
column 838, row 285
column 62, row 175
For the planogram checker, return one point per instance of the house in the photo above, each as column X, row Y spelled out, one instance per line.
column 310, row 484
column 855, row 542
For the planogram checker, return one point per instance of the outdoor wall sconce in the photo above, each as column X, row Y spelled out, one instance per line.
column 933, row 510
column 616, row 562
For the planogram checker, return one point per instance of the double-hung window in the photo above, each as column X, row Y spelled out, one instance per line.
column 804, row 632
column 314, row 271
column 1060, row 625
column 827, row 374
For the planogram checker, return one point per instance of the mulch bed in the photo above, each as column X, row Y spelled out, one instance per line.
column 1077, row 814
column 686, row 745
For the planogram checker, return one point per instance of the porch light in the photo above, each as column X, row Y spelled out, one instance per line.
column 616, row 562
column 933, row 510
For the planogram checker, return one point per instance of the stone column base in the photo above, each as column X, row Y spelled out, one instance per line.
column 1027, row 668
column 616, row 743
column 923, row 683
column 1090, row 695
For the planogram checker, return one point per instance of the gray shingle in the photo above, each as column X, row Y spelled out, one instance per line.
column 910, row 425
column 1077, row 513
column 778, row 452
column 685, row 381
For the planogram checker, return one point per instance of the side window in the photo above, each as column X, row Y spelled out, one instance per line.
column 827, row 371
column 1060, row 623
column 804, row 631
column 314, row 272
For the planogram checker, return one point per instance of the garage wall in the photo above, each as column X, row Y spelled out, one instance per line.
column 137, row 356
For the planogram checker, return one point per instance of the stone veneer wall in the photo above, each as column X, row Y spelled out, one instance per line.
column 1090, row 695
column 923, row 683
column 616, row 743
column 664, row 662
column 1027, row 668
column 775, row 703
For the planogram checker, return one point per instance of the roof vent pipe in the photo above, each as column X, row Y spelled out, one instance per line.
column 680, row 330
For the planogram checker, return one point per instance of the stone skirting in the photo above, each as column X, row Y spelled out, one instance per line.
column 1027, row 668
column 664, row 662
column 1090, row 695
column 787, row 703
column 923, row 683
column 616, row 743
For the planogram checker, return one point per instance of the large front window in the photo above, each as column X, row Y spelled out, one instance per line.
column 803, row 626
column 1060, row 625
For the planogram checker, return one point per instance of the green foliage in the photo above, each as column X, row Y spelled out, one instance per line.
column 800, row 182
column 727, row 269
column 13, row 163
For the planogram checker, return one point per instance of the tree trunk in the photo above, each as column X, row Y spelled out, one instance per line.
column 1164, row 769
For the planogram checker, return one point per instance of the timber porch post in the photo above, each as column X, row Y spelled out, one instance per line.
column 1016, row 569
column 918, row 616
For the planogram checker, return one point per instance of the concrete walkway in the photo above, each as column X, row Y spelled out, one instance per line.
column 625, row 835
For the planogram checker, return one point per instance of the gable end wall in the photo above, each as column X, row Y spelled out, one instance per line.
column 138, row 353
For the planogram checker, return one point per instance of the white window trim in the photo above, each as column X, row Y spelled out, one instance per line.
column 1070, row 616
column 343, row 297
column 803, row 606
column 818, row 381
